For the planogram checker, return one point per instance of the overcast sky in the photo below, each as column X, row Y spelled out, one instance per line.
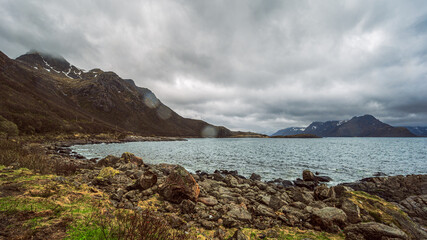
column 247, row 65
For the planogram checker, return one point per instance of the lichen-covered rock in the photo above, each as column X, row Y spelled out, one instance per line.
column 373, row 231
column 180, row 185
column 107, row 172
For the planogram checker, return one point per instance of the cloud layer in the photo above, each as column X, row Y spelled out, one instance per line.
column 248, row 65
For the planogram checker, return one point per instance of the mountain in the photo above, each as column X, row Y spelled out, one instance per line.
column 362, row 126
column 289, row 131
column 42, row 93
column 368, row 126
column 322, row 128
column 419, row 131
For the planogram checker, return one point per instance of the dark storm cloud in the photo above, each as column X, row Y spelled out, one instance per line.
column 249, row 65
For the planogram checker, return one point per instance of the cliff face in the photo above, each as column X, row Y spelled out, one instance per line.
column 43, row 93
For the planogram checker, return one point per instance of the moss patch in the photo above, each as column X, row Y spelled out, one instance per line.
column 379, row 209
column 107, row 172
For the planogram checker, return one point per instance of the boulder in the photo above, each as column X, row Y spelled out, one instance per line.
column 329, row 218
column 239, row 212
column 263, row 210
column 131, row 158
column 373, row 231
column 341, row 190
column 238, row 235
column 351, row 210
column 323, row 178
column 415, row 207
column 322, row 192
column 147, row 180
column 231, row 181
column 208, row 201
column 276, row 203
column 187, row 206
column 180, row 185
column 109, row 160
column 255, row 176
column 307, row 175
column 287, row 183
column 302, row 196
column 307, row 184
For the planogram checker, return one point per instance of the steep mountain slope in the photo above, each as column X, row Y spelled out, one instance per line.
column 43, row 93
column 363, row 126
column 289, row 131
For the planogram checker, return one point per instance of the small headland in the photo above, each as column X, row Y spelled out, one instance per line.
column 297, row 136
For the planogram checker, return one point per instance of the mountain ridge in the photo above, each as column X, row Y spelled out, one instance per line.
column 358, row 126
column 44, row 93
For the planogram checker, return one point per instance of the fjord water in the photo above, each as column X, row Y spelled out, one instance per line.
column 343, row 159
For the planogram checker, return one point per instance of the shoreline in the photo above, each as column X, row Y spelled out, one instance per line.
column 225, row 204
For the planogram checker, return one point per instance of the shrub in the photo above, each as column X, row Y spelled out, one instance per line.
column 128, row 225
column 8, row 128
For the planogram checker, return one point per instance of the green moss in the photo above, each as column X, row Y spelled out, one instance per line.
column 379, row 209
column 107, row 172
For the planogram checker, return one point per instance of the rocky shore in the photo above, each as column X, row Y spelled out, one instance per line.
column 374, row 208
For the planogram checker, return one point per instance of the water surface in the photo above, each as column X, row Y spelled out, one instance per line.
column 343, row 159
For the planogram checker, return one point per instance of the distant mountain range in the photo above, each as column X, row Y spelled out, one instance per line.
column 42, row 93
column 363, row 126
column 419, row 131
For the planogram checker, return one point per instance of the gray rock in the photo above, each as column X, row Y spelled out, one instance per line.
column 323, row 178
column 239, row 213
column 147, row 180
column 231, row 181
column 187, row 206
column 329, row 218
column 219, row 234
column 208, row 224
column 208, row 201
column 416, row 207
column 341, row 190
column 373, row 231
column 351, row 210
column 263, row 210
column 302, row 196
column 307, row 175
column 322, row 192
column 255, row 176
column 238, row 235
column 276, row 203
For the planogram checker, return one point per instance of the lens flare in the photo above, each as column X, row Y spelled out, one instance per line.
column 209, row 132
column 150, row 100
column 164, row 112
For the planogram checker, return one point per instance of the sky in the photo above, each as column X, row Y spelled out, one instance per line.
column 248, row 65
